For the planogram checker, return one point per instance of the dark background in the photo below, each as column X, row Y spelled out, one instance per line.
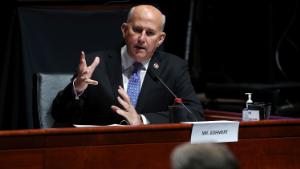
column 233, row 47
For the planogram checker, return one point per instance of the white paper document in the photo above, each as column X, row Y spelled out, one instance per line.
column 82, row 126
column 214, row 131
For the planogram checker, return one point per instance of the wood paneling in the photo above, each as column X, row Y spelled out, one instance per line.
column 268, row 144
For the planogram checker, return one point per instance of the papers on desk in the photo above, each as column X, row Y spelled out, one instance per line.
column 214, row 131
column 81, row 126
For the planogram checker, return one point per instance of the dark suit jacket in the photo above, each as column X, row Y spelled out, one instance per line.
column 94, row 106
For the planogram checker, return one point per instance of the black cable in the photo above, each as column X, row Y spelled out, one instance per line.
column 281, row 39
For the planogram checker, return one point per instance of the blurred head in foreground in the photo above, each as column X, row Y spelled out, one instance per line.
column 203, row 156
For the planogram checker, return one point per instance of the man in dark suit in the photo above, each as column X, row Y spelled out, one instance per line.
column 84, row 101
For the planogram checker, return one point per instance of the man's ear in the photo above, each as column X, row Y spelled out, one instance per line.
column 124, row 29
column 162, row 37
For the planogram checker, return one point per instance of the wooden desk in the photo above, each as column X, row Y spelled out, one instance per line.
column 269, row 144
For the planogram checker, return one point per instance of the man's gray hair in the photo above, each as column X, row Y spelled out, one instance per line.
column 203, row 156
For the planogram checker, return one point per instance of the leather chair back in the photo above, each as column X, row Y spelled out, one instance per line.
column 46, row 87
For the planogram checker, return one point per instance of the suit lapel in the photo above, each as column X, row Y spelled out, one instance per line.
column 149, row 81
column 114, row 71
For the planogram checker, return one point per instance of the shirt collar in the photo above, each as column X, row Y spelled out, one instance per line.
column 127, row 60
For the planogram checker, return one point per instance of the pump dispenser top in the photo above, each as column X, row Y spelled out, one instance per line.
column 249, row 101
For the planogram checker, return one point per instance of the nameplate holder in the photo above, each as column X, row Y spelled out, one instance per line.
column 214, row 131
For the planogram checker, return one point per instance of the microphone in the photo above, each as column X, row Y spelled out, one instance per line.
column 176, row 99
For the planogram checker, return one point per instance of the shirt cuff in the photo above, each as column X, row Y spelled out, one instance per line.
column 144, row 119
column 77, row 95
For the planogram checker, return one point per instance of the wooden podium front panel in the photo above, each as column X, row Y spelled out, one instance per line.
column 265, row 144
column 22, row 149
column 21, row 159
column 269, row 144
column 131, row 147
column 111, row 156
column 274, row 153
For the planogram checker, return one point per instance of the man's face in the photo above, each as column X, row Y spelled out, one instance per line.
column 142, row 36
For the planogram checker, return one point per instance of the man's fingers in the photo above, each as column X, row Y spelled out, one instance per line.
column 82, row 62
column 124, row 95
column 115, row 108
column 86, row 72
column 87, row 80
column 91, row 82
column 119, row 111
column 94, row 64
column 125, row 104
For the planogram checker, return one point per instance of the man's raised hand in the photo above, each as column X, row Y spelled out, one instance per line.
column 85, row 73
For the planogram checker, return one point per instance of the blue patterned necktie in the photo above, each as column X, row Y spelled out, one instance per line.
column 134, row 83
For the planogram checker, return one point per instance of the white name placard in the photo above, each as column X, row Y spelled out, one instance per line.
column 214, row 131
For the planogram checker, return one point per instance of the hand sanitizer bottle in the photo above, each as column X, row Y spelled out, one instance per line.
column 248, row 113
column 249, row 101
